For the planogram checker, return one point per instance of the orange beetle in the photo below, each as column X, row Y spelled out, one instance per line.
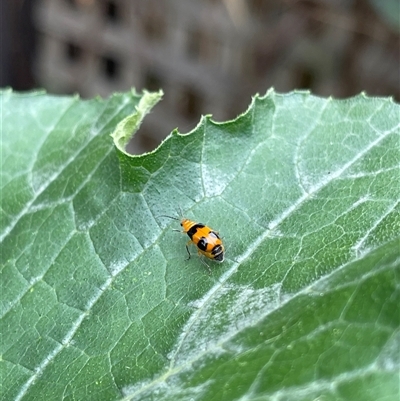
column 207, row 241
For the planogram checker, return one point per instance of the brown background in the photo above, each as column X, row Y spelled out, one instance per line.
column 209, row 56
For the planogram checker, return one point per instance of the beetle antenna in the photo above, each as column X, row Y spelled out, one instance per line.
column 170, row 217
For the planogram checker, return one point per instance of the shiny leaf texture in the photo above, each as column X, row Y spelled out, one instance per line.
column 99, row 303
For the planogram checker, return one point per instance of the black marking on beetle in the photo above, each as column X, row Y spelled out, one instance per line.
column 216, row 250
column 202, row 244
column 194, row 229
column 214, row 234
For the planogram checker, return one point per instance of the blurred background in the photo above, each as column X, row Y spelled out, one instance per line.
column 208, row 56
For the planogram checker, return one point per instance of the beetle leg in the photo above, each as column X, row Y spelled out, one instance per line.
column 204, row 262
column 187, row 248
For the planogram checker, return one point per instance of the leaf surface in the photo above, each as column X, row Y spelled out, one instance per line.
column 99, row 303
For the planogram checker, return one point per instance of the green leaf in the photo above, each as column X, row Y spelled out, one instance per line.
column 99, row 303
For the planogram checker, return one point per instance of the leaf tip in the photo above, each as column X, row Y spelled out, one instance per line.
column 130, row 124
